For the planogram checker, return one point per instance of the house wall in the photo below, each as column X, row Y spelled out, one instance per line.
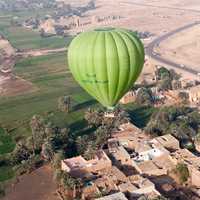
column 64, row 167
column 195, row 177
column 147, row 155
column 144, row 190
column 128, row 98
column 194, row 96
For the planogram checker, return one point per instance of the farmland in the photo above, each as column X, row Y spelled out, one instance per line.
column 50, row 75
column 23, row 39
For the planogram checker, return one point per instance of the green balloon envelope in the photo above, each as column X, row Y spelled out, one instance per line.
column 106, row 62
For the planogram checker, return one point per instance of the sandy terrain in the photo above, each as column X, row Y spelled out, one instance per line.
column 144, row 17
column 157, row 17
column 38, row 186
column 183, row 48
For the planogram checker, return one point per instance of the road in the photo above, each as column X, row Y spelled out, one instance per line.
column 150, row 49
column 40, row 52
column 162, row 7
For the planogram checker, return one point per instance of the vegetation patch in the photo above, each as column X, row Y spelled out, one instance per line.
column 182, row 122
column 23, row 39
column 6, row 142
column 6, row 173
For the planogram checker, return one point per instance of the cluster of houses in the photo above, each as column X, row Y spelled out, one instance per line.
column 190, row 89
column 122, row 169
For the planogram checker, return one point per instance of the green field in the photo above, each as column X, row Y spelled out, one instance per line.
column 6, row 173
column 6, row 146
column 22, row 38
column 6, row 143
column 51, row 77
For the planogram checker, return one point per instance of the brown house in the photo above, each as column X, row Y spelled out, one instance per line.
column 192, row 162
column 79, row 167
column 129, row 97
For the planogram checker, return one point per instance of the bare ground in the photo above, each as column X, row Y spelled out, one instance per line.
column 183, row 48
column 35, row 186
column 15, row 86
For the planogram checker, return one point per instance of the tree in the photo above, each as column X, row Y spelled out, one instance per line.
column 90, row 151
column 56, row 162
column 162, row 73
column 165, row 84
column 30, row 144
column 182, row 172
column 27, row 166
column 47, row 150
column 2, row 190
column 59, row 138
column 20, row 153
column 64, row 103
column 82, row 142
column 182, row 122
column 94, row 117
column 174, row 75
column 144, row 96
column 68, row 182
column 184, row 96
column 37, row 124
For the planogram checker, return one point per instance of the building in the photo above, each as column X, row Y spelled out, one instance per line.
column 194, row 94
column 79, row 167
column 48, row 26
column 129, row 97
column 167, row 141
column 116, row 196
column 192, row 162
column 148, row 151
column 118, row 152
column 152, row 159
column 138, row 186
column 107, row 179
column 156, row 167
column 197, row 146
column 129, row 135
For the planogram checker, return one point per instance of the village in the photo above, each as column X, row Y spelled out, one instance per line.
column 133, row 164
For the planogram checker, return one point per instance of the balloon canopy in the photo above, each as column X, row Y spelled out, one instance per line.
column 106, row 62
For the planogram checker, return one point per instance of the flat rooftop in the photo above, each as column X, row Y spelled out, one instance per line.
column 116, row 196
column 79, row 162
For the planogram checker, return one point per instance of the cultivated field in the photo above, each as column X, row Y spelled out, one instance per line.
column 50, row 75
column 24, row 39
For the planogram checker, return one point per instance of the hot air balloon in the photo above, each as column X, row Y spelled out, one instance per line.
column 106, row 62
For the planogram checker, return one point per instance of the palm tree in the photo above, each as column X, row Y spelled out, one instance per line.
column 64, row 103
column 47, row 151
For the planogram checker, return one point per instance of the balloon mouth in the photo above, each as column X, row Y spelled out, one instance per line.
column 104, row 29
